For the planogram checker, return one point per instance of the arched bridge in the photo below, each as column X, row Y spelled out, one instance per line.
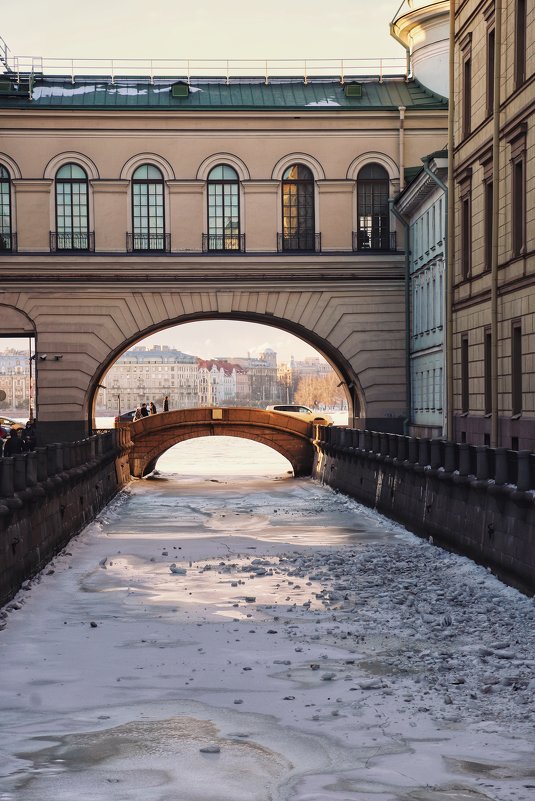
column 153, row 435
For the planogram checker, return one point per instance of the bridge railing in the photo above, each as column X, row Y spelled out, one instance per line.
column 26, row 470
column 499, row 466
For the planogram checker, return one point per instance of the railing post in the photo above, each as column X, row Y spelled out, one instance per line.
column 423, row 452
column 482, row 462
column 41, row 463
column 31, row 469
column 501, row 469
column 19, row 471
column 464, row 459
column 375, row 442
column 51, row 459
column 450, row 464
column 413, row 449
column 383, row 445
column 436, row 455
column 523, row 471
column 7, row 486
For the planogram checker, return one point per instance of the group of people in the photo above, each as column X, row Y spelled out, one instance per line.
column 19, row 440
column 149, row 408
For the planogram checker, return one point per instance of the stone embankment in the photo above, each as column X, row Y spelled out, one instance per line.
column 476, row 500
column 48, row 495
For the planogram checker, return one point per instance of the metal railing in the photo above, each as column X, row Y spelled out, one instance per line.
column 223, row 242
column 307, row 243
column 499, row 466
column 148, row 243
column 8, row 243
column 226, row 70
column 364, row 241
column 72, row 242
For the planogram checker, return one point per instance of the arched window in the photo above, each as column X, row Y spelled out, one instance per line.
column 298, row 226
column 72, row 209
column 223, row 209
column 373, row 232
column 6, row 235
column 148, row 218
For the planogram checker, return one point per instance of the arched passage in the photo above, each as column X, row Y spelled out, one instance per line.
column 152, row 436
column 348, row 379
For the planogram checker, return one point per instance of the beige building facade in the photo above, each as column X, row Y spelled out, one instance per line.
column 135, row 205
column 494, row 191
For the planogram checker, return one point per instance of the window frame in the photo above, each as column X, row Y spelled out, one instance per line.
column 520, row 52
column 71, row 182
column 305, row 241
column 6, row 245
column 233, row 182
column 147, row 182
column 378, row 211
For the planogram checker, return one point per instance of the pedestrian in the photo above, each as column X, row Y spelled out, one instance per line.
column 144, row 410
column 166, row 403
column 152, row 408
column 137, row 414
column 13, row 443
column 29, row 437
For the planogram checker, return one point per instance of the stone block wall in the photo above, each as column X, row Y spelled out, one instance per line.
column 477, row 501
column 49, row 495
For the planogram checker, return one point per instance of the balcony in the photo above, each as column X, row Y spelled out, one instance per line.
column 8, row 243
column 223, row 242
column 148, row 243
column 371, row 242
column 299, row 243
column 72, row 243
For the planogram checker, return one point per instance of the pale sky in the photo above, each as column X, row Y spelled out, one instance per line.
column 200, row 30
column 212, row 338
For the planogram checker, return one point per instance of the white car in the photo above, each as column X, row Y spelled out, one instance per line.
column 303, row 412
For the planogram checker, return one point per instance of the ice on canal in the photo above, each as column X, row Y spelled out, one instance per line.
column 224, row 632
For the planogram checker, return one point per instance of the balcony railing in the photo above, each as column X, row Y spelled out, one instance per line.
column 72, row 242
column 148, row 243
column 223, row 242
column 8, row 243
column 304, row 243
column 364, row 240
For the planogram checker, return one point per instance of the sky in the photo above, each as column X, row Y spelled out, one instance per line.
column 207, row 29
column 212, row 338
column 201, row 30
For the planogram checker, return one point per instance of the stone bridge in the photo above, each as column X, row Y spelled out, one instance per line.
column 153, row 435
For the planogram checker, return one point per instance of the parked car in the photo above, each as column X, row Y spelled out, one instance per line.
column 125, row 417
column 303, row 412
column 7, row 421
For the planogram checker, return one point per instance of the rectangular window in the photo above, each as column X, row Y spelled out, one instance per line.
column 519, row 206
column 487, row 357
column 489, row 206
column 467, row 96
column 465, row 390
column 491, row 46
column 516, row 369
column 520, row 43
column 466, row 237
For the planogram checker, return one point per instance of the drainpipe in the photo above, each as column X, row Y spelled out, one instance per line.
column 394, row 35
column 401, row 148
column 440, row 183
column 408, row 382
column 494, row 432
column 450, row 232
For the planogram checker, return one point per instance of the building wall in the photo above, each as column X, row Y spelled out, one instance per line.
column 472, row 169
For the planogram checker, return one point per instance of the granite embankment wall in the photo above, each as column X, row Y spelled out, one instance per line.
column 50, row 494
column 478, row 501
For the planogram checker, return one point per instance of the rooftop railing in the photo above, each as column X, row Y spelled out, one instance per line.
column 225, row 70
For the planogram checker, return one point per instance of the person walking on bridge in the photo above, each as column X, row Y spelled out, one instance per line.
column 144, row 410
column 166, row 403
column 13, row 443
column 152, row 407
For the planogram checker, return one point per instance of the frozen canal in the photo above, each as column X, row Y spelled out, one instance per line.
column 258, row 638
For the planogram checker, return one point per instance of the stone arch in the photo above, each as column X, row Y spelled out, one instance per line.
column 223, row 158
column 298, row 158
column 289, row 436
column 15, row 322
column 348, row 377
column 136, row 161
column 376, row 158
column 11, row 166
column 71, row 157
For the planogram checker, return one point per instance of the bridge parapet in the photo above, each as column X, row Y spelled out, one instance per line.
column 290, row 436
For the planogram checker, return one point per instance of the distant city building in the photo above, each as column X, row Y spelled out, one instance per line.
column 15, row 380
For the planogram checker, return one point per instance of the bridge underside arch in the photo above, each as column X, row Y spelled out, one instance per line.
column 154, row 435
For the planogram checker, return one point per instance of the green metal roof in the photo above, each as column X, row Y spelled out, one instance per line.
column 319, row 94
